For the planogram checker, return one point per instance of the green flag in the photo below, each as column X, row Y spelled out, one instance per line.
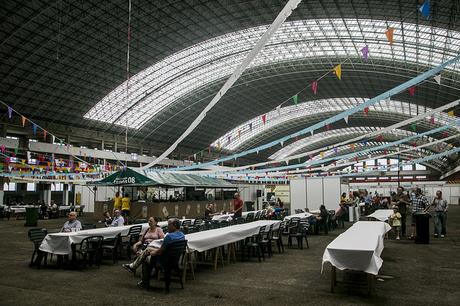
column 295, row 99
column 414, row 127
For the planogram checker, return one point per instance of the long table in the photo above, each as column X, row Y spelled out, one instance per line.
column 300, row 215
column 381, row 214
column 210, row 239
column 229, row 217
column 61, row 243
column 358, row 248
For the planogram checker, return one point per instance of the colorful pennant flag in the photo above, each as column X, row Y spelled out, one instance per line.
column 278, row 110
column 425, row 9
column 314, row 86
column 35, row 129
column 389, row 34
column 338, row 71
column 264, row 118
column 366, row 111
column 438, row 79
column 413, row 126
column 451, row 113
column 321, row 154
column 250, row 126
column 412, row 91
column 3, row 148
column 44, row 134
column 295, row 99
column 432, row 119
column 23, row 121
column 346, row 119
column 239, row 134
column 365, row 52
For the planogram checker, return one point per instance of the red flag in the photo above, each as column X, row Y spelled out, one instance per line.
column 366, row 111
column 379, row 138
column 328, row 127
column 412, row 91
column 432, row 119
column 264, row 118
column 314, row 87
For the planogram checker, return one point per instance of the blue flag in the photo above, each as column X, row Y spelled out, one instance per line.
column 425, row 9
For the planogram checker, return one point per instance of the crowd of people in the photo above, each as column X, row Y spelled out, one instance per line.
column 404, row 203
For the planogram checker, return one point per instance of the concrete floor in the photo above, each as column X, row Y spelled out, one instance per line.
column 421, row 274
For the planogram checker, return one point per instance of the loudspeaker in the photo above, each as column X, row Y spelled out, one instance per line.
column 259, row 193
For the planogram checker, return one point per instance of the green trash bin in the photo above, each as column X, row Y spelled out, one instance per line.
column 31, row 216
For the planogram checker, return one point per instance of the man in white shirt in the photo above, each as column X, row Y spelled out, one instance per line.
column 117, row 220
column 72, row 225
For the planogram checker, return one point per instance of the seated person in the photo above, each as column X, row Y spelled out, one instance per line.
column 208, row 212
column 117, row 220
column 155, row 254
column 107, row 219
column 154, row 232
column 321, row 220
column 54, row 210
column 72, row 225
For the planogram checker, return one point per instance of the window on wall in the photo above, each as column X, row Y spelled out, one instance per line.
column 9, row 186
column 57, row 187
column 31, row 186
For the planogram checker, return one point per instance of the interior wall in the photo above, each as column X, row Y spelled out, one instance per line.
column 315, row 197
column 298, row 194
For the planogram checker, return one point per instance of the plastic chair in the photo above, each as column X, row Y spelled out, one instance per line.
column 131, row 238
column 36, row 235
column 91, row 247
column 169, row 262
column 113, row 246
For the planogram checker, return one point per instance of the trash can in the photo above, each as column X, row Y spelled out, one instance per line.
column 422, row 228
column 249, row 205
column 31, row 216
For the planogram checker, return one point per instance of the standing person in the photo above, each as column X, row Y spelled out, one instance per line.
column 440, row 217
column 208, row 212
column 117, row 201
column 125, row 207
column 419, row 204
column 237, row 206
column 402, row 201
column 395, row 219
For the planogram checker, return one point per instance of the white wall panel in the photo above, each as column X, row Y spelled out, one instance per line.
column 298, row 194
column 314, row 193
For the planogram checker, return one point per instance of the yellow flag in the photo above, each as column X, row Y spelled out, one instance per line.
column 338, row 71
column 389, row 34
column 451, row 113
column 321, row 154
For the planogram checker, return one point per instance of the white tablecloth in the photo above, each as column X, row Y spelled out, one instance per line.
column 301, row 216
column 60, row 243
column 358, row 248
column 229, row 217
column 206, row 240
column 64, row 207
column 381, row 214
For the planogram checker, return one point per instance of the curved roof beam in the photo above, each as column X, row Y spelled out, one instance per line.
column 160, row 85
column 255, row 127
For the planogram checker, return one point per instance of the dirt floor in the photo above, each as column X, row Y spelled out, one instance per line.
column 418, row 274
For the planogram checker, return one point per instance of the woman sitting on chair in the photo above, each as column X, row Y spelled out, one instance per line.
column 154, row 232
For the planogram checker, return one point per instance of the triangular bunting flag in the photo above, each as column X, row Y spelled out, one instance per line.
column 412, row 91
column 413, row 126
column 438, row 79
column 366, row 111
column 295, row 99
column 389, row 34
column 250, row 126
column 425, row 9
column 282, row 143
column 278, row 110
column 44, row 134
column 451, row 113
column 23, row 121
column 264, row 118
column 35, row 129
column 365, row 52
column 239, row 134
column 346, row 119
column 311, row 132
column 338, row 71
column 432, row 119
column 314, row 87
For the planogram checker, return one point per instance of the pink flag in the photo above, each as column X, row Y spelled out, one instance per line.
column 314, row 87
column 365, row 52
column 412, row 91
column 264, row 118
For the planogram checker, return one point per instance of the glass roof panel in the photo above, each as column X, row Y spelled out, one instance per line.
column 236, row 137
column 160, row 85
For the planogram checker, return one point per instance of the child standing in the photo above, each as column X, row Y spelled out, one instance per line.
column 395, row 219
